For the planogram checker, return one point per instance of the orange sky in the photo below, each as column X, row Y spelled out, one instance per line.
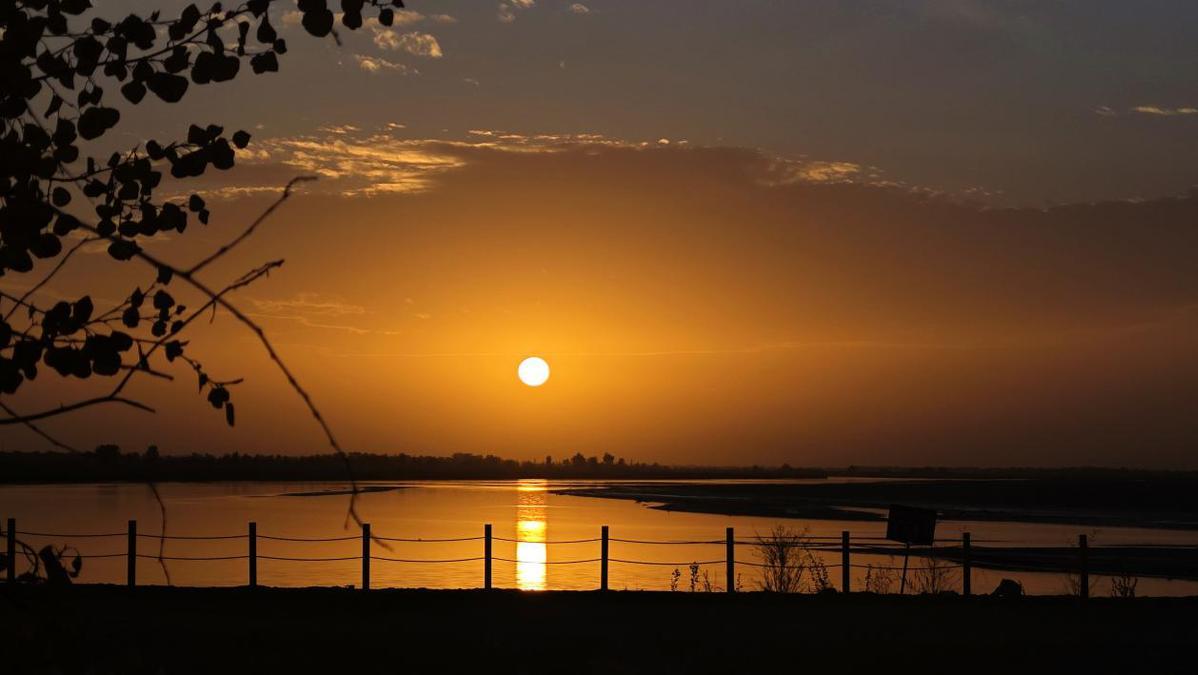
column 696, row 305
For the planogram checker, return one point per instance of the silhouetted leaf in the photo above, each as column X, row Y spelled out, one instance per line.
column 318, row 22
column 96, row 120
column 168, row 87
column 266, row 62
column 123, row 249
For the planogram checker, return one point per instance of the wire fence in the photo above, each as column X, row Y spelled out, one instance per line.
column 769, row 556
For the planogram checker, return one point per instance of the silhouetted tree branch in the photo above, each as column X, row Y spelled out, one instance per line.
column 54, row 61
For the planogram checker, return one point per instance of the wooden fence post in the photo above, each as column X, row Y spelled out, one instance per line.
column 730, row 560
column 845, row 568
column 1083, row 560
column 603, row 560
column 131, row 576
column 966, row 565
column 10, row 535
column 253, row 538
column 366, row 556
column 487, row 556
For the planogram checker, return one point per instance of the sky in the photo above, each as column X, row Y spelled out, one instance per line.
column 878, row 232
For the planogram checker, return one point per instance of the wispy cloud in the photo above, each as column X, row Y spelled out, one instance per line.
column 1165, row 112
column 507, row 10
column 579, row 8
column 375, row 64
column 316, row 310
column 1153, row 110
column 354, row 161
column 414, row 43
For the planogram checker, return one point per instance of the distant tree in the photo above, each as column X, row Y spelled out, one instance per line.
column 608, row 459
column 151, row 454
column 62, row 75
column 108, row 452
column 578, row 459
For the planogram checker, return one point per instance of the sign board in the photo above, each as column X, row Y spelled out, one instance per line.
column 911, row 525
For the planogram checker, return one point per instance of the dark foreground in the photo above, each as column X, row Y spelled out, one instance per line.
column 101, row 629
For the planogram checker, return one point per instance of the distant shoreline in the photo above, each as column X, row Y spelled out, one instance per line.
column 1110, row 502
column 108, row 464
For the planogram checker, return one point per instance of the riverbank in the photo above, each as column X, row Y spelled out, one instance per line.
column 106, row 629
column 1163, row 503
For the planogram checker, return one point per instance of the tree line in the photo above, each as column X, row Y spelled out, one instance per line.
column 109, row 463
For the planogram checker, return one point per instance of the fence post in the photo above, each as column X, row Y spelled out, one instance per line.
column 487, row 556
column 131, row 579
column 11, row 547
column 603, row 560
column 845, row 568
column 1083, row 555
column 366, row 556
column 253, row 538
column 966, row 565
column 730, row 560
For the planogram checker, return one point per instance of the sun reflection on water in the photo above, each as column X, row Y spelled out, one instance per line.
column 532, row 530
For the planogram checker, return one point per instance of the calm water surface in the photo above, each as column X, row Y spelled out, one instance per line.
column 523, row 512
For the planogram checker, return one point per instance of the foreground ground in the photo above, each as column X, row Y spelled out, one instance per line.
column 101, row 629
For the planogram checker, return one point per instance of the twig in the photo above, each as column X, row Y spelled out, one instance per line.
column 52, row 412
column 48, row 276
column 253, row 226
column 36, row 429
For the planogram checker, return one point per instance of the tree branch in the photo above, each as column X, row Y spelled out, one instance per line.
column 253, row 226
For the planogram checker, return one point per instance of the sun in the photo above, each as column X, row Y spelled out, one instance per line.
column 533, row 371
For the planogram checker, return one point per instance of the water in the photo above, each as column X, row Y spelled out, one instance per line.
column 524, row 512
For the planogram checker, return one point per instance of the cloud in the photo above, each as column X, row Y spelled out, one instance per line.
column 315, row 310
column 355, row 161
column 374, row 64
column 1157, row 111
column 580, row 9
column 507, row 10
column 314, row 304
column 1165, row 112
column 414, row 43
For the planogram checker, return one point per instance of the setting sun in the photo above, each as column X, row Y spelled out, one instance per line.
column 533, row 371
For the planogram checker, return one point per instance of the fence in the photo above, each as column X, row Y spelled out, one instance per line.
column 847, row 545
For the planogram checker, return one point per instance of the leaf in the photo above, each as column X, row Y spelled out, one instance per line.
column 123, row 249
column 168, row 87
column 229, row 417
column 96, row 120
column 163, row 300
column 266, row 62
column 165, row 274
column 240, row 139
column 266, row 33
column 318, row 22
